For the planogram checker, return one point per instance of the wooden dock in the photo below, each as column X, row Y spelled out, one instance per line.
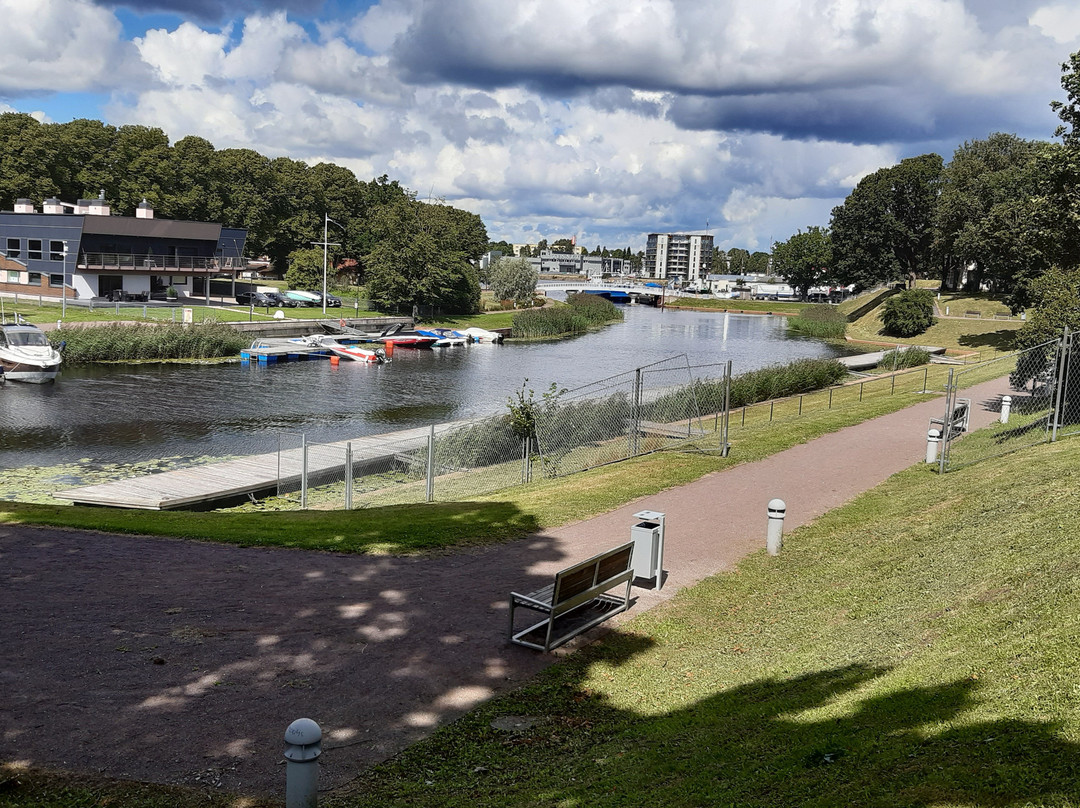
column 202, row 486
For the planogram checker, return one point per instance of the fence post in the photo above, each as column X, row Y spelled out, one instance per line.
column 724, row 446
column 635, row 416
column 950, row 402
column 303, row 471
column 830, row 397
column 925, row 378
column 892, row 391
column 431, row 465
column 348, row 476
column 800, row 404
column 861, row 385
column 1059, row 393
column 772, row 404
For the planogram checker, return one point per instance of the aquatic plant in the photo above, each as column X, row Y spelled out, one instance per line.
column 119, row 342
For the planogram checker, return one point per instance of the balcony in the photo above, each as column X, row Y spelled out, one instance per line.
column 167, row 264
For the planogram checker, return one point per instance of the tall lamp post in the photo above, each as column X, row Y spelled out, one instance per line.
column 326, row 221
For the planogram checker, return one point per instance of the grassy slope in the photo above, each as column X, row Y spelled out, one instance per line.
column 915, row 647
column 985, row 339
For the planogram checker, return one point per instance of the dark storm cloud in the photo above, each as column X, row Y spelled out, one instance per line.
column 212, row 10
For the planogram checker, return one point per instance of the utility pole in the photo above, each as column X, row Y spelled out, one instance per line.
column 325, row 244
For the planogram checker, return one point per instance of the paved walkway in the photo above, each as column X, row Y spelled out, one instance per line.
column 183, row 662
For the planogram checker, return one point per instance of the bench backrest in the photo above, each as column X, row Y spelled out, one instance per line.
column 591, row 573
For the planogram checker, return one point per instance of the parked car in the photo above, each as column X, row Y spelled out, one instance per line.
column 332, row 301
column 303, row 298
column 279, row 300
column 253, row 299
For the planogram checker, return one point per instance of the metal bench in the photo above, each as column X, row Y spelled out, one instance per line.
column 958, row 422
column 576, row 600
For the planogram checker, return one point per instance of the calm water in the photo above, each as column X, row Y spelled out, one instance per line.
column 115, row 414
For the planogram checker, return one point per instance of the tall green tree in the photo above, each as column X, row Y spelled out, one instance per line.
column 804, row 260
column 738, row 261
column 514, row 279
column 884, row 230
column 26, row 157
column 983, row 211
column 305, row 269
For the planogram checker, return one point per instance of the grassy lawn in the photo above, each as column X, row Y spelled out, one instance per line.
column 50, row 313
column 959, row 304
column 711, row 303
column 980, row 339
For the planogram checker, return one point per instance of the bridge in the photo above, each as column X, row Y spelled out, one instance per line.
column 615, row 292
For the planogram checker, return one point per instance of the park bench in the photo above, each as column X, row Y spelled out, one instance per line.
column 578, row 599
column 958, row 422
column 976, row 314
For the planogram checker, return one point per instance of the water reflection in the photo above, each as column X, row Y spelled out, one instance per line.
column 134, row 413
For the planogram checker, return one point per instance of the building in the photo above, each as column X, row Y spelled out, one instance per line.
column 591, row 266
column 678, row 256
column 98, row 255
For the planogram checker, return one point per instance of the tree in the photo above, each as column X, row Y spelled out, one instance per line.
column 417, row 261
column 738, row 261
column 908, row 313
column 514, row 279
column 758, row 263
column 983, row 212
column 885, row 228
column 305, row 269
column 804, row 259
column 562, row 245
column 1055, row 297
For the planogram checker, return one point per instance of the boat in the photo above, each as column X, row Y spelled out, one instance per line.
column 357, row 353
column 482, row 335
column 444, row 337
column 26, row 355
column 399, row 337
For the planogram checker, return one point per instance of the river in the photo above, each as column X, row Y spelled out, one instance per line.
column 109, row 414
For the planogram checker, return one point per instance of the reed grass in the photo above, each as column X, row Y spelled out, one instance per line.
column 581, row 314
column 903, row 359
column 820, row 320
column 117, row 342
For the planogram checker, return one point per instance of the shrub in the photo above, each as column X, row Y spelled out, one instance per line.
column 581, row 313
column 903, row 358
column 909, row 313
column 821, row 320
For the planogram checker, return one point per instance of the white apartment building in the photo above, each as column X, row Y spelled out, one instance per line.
column 687, row 256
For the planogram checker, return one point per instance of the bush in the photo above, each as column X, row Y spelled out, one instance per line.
column 904, row 358
column 821, row 320
column 909, row 313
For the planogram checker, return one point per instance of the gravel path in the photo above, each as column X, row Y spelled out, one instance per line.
column 182, row 662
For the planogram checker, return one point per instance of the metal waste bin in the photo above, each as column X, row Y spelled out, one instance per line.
column 648, row 538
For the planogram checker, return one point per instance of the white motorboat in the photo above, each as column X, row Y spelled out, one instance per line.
column 26, row 355
column 358, row 353
column 482, row 335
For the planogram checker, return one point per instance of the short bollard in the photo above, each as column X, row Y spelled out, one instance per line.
column 303, row 745
column 933, row 440
column 774, row 538
column 1006, row 405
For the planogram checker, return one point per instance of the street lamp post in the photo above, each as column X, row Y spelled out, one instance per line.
column 325, row 244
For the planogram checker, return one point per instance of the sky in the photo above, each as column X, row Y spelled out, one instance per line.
column 602, row 120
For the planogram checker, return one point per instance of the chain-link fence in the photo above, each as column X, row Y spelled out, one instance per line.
column 1039, row 401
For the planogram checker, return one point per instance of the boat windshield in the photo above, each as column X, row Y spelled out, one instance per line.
column 28, row 338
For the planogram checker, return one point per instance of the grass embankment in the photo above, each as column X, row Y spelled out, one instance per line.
column 712, row 303
column 913, row 648
column 961, row 304
column 979, row 340
column 581, row 313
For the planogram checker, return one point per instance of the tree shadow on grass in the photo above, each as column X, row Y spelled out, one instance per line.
column 1001, row 340
column 838, row 736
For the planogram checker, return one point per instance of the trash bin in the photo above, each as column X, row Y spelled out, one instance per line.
column 648, row 538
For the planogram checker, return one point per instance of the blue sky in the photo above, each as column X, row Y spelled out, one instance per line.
column 604, row 119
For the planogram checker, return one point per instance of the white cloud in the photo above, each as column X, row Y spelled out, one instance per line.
column 61, row 46
column 1060, row 22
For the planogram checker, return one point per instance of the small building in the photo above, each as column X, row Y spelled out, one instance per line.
column 97, row 255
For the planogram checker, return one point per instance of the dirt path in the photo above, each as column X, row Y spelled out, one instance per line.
column 181, row 662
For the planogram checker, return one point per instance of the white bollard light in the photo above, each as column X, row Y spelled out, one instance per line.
column 774, row 538
column 933, row 439
column 303, row 745
column 1006, row 406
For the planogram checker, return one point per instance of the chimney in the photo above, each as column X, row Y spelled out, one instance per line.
column 144, row 211
column 83, row 206
column 24, row 206
column 53, row 205
column 98, row 207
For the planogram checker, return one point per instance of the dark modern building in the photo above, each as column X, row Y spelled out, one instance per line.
column 98, row 255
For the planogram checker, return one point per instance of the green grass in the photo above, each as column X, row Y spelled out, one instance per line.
column 981, row 340
column 711, row 303
column 915, row 647
column 959, row 304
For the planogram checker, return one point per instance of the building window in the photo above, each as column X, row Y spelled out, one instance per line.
column 14, row 248
column 33, row 249
column 56, row 279
column 56, row 251
column 33, row 278
column 13, row 276
column 178, row 280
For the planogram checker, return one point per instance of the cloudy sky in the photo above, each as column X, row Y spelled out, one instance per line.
column 604, row 119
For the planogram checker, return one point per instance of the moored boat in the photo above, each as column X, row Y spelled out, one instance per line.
column 26, row 355
column 444, row 337
column 482, row 335
column 357, row 353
